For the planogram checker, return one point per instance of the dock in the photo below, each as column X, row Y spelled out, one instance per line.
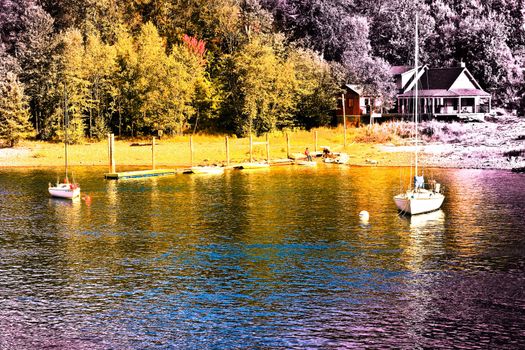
column 142, row 173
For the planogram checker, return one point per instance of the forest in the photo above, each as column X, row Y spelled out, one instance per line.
column 166, row 67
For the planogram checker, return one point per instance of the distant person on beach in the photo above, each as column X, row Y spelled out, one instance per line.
column 327, row 153
column 307, row 154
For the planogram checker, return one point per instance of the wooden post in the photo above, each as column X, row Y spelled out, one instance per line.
column 315, row 137
column 109, row 151
column 344, row 120
column 191, row 150
column 267, row 148
column 153, row 153
column 112, row 153
column 227, row 151
column 251, row 149
column 287, row 146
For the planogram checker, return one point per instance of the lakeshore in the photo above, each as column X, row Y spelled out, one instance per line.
column 495, row 144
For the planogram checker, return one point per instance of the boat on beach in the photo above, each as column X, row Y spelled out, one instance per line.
column 306, row 163
column 342, row 158
column 207, row 170
column 252, row 165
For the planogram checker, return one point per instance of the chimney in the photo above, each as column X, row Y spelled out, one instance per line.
column 462, row 64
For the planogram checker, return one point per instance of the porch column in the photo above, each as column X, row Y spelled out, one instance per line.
column 459, row 105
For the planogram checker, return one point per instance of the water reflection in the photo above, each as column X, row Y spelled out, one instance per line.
column 261, row 259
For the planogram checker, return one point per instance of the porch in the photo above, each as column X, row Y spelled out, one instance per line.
column 446, row 106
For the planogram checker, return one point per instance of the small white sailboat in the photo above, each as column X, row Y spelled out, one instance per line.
column 418, row 199
column 65, row 189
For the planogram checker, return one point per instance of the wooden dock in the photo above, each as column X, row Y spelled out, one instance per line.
column 142, row 173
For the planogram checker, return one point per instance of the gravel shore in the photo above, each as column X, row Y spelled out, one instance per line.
column 496, row 143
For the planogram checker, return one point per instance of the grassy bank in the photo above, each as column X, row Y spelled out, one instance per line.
column 495, row 143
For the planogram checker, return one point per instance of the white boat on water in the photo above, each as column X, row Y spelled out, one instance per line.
column 418, row 199
column 207, row 170
column 66, row 189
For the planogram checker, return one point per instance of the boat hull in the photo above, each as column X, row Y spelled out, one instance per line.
column 414, row 203
column 249, row 166
column 207, row 170
column 64, row 191
column 306, row 163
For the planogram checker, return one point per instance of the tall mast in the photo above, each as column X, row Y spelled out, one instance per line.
column 416, row 59
column 66, row 122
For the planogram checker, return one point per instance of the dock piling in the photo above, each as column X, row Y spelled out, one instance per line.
column 153, row 153
column 267, row 148
column 227, row 151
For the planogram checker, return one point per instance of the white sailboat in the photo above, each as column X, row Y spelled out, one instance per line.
column 418, row 199
column 65, row 189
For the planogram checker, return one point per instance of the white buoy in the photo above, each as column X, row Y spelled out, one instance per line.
column 363, row 215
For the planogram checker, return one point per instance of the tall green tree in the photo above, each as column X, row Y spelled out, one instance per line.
column 481, row 44
column 14, row 111
column 72, row 86
column 100, row 66
column 35, row 48
column 263, row 86
column 316, row 89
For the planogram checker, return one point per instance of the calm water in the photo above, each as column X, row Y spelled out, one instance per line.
column 264, row 259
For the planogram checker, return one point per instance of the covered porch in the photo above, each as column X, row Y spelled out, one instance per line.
column 448, row 103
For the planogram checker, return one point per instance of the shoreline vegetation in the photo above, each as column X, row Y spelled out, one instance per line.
column 496, row 143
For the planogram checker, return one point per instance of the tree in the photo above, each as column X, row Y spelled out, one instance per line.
column 35, row 48
column 100, row 67
column 261, row 89
column 481, row 43
column 71, row 85
column 392, row 32
column 327, row 27
column 316, row 89
column 14, row 112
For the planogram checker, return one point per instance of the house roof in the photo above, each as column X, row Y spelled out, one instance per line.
column 440, row 78
column 358, row 89
column 446, row 93
column 396, row 70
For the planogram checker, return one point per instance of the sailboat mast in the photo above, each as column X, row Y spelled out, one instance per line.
column 66, row 122
column 416, row 61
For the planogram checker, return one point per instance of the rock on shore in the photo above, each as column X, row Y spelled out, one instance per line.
column 496, row 143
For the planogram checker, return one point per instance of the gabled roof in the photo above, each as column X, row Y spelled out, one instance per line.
column 397, row 70
column 358, row 89
column 444, row 78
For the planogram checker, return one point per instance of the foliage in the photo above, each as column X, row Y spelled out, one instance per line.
column 265, row 84
column 14, row 112
column 144, row 67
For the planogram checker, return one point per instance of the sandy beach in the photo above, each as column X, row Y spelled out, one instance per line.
column 496, row 144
